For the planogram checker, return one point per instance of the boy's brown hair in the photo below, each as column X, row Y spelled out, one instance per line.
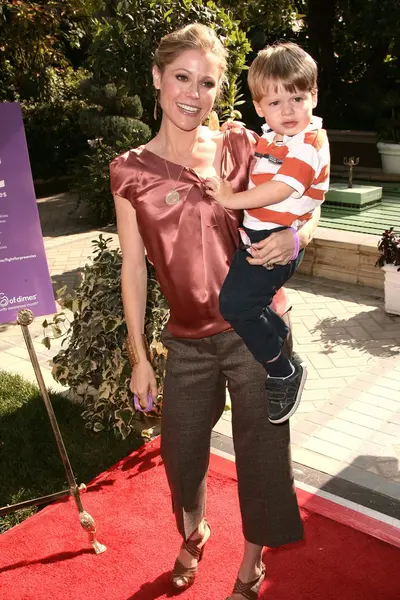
column 283, row 63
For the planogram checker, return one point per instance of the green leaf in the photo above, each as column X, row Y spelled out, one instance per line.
column 61, row 292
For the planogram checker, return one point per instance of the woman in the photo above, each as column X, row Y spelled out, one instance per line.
column 162, row 205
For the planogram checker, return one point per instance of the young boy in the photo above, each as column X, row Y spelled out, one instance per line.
column 289, row 180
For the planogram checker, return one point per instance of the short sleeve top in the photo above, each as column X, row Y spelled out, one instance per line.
column 191, row 243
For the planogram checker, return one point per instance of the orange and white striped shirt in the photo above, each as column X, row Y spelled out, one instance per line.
column 302, row 162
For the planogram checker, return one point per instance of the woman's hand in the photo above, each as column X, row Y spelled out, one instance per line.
column 143, row 381
column 277, row 249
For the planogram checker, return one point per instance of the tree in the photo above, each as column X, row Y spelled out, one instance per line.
column 263, row 20
column 358, row 50
column 128, row 32
column 36, row 40
column 320, row 29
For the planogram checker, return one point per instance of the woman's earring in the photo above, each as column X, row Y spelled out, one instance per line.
column 155, row 108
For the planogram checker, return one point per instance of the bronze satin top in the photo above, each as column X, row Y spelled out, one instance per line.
column 190, row 244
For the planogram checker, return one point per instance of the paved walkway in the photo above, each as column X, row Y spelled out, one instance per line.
column 348, row 423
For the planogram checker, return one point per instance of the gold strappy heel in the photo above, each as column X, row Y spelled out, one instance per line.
column 188, row 574
column 251, row 589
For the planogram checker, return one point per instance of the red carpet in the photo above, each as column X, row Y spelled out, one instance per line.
column 48, row 557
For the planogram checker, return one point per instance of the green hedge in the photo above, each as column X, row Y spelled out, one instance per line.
column 54, row 137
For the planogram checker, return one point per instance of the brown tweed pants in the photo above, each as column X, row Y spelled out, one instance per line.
column 194, row 399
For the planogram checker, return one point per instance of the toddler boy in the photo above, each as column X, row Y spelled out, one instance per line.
column 289, row 180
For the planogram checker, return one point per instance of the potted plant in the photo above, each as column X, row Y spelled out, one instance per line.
column 389, row 260
column 389, row 125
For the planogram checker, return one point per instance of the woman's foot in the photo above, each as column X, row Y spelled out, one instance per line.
column 191, row 552
column 251, row 574
column 248, row 586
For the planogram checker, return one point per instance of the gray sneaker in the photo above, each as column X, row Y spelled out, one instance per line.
column 284, row 395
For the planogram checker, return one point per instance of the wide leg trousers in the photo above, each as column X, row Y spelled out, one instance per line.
column 193, row 401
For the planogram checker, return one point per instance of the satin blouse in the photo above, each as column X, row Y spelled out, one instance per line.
column 191, row 243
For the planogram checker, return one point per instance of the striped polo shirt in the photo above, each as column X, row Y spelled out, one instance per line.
column 302, row 162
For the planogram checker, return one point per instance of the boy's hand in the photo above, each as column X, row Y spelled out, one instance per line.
column 220, row 190
column 232, row 125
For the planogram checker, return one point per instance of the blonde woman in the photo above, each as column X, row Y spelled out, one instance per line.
column 162, row 206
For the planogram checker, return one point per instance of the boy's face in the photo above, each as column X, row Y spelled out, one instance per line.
column 287, row 113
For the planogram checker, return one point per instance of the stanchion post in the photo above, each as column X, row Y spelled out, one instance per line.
column 25, row 318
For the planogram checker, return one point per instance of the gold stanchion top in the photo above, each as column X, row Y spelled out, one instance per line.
column 25, row 317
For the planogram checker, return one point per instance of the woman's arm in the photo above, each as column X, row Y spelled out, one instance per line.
column 306, row 232
column 278, row 248
column 134, row 295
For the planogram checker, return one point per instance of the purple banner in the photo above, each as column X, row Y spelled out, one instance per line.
column 24, row 275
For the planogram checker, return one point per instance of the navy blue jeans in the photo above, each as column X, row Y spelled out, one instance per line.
column 246, row 296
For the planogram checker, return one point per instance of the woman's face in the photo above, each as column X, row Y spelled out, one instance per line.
column 188, row 87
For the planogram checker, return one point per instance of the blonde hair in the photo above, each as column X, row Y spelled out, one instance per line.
column 283, row 63
column 192, row 37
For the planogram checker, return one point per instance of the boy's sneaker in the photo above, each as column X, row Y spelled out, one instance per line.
column 284, row 395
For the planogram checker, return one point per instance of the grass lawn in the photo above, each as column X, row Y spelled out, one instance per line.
column 30, row 465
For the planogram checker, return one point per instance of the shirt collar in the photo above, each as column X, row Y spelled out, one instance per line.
column 314, row 125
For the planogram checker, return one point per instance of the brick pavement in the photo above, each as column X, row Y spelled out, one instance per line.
column 348, row 423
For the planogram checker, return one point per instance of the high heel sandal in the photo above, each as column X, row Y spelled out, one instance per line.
column 188, row 574
column 251, row 589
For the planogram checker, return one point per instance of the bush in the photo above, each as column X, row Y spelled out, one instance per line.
column 389, row 248
column 94, row 364
column 54, row 137
column 114, row 100
column 91, row 180
column 111, row 127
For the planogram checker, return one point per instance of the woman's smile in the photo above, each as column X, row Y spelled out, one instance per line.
column 188, row 109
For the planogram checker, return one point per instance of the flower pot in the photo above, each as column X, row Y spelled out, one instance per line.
column 390, row 154
column 392, row 289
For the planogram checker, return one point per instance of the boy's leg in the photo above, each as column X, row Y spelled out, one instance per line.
column 245, row 302
column 245, row 297
column 284, row 394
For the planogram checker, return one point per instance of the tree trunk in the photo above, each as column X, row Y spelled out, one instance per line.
column 320, row 23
